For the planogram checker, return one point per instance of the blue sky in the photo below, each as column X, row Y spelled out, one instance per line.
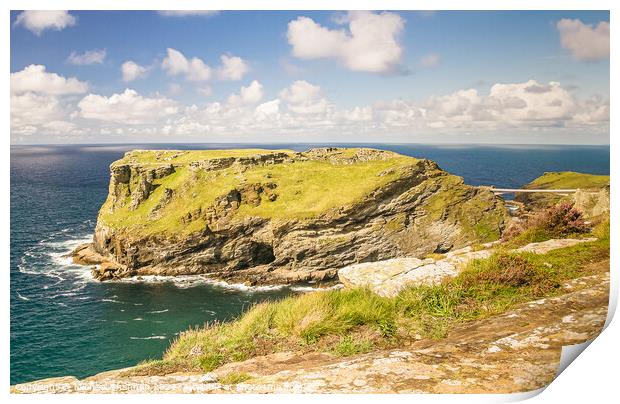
column 410, row 80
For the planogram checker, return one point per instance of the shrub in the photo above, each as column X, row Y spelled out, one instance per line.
column 560, row 220
column 503, row 269
column 514, row 229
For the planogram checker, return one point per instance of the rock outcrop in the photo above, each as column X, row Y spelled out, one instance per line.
column 390, row 277
column 260, row 216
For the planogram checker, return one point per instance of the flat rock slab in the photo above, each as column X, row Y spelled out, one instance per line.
column 389, row 277
column 553, row 244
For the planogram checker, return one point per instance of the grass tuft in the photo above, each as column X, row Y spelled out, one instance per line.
column 348, row 346
column 234, row 378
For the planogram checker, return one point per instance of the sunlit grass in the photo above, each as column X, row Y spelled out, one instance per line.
column 354, row 321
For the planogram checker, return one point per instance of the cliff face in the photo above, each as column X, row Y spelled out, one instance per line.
column 261, row 216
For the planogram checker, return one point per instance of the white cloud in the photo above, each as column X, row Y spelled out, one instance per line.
column 35, row 78
column 128, row 107
column 91, row 57
column 300, row 91
column 525, row 105
column 247, row 95
column 187, row 13
column 132, row 71
column 304, row 98
column 62, row 127
column 584, row 42
column 233, row 68
column 176, row 63
column 29, row 109
column 303, row 112
column 430, row 60
column 267, row 110
column 371, row 43
column 38, row 21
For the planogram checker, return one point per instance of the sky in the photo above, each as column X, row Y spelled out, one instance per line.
column 507, row 77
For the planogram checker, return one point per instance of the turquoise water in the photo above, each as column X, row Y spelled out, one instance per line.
column 64, row 323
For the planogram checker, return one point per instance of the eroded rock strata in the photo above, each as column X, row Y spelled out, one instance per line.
column 279, row 216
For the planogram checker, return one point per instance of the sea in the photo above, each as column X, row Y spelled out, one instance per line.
column 65, row 323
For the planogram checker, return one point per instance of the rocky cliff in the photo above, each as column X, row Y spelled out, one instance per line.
column 273, row 216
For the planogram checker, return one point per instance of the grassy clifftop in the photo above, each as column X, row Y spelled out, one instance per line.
column 568, row 180
column 291, row 188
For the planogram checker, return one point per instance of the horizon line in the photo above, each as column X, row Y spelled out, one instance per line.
column 315, row 143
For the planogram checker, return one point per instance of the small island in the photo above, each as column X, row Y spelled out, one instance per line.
column 277, row 216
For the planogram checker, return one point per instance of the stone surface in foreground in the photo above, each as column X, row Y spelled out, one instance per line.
column 514, row 352
column 389, row 277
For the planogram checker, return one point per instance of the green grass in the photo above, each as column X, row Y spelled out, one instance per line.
column 568, row 180
column 182, row 157
column 304, row 189
column 234, row 378
column 351, row 346
column 460, row 203
column 353, row 321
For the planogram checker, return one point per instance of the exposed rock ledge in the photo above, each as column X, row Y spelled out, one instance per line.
column 389, row 277
column 514, row 352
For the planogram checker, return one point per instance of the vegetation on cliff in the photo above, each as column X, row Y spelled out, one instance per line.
column 354, row 321
column 588, row 183
column 558, row 221
column 299, row 189
column 276, row 216
column 568, row 180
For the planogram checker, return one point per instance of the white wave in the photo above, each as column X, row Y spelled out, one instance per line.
column 112, row 301
column 158, row 311
column 52, row 257
column 138, row 319
column 22, row 297
column 67, row 294
column 304, row 288
column 188, row 281
column 151, row 337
